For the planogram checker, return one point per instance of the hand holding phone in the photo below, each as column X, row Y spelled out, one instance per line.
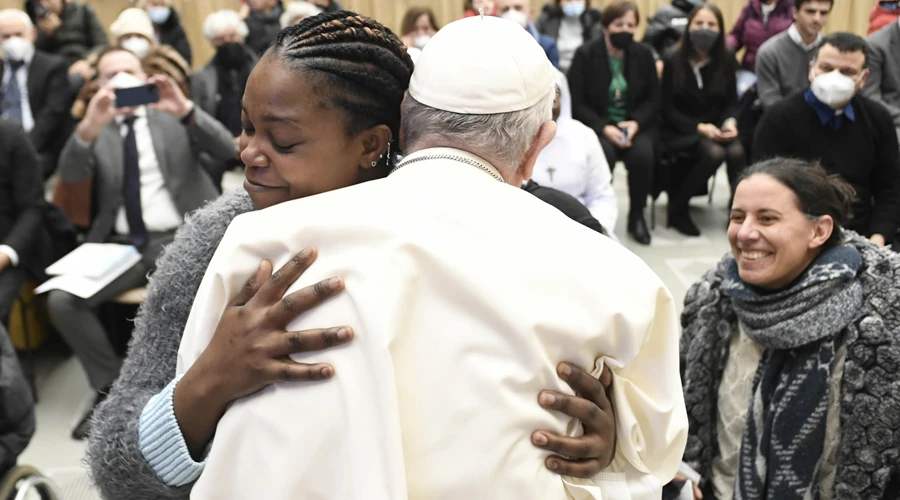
column 625, row 132
column 137, row 96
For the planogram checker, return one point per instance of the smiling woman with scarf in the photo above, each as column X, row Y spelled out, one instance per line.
column 791, row 348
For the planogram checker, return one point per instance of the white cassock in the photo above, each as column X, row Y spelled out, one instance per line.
column 465, row 293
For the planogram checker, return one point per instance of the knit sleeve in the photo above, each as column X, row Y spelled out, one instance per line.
column 114, row 455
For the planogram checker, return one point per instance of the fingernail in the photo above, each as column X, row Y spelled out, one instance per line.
column 305, row 253
column 335, row 282
column 547, row 399
column 327, row 371
column 565, row 370
column 540, row 440
column 553, row 465
column 343, row 334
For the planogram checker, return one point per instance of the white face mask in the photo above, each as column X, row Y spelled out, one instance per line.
column 125, row 81
column 137, row 45
column 517, row 17
column 17, row 48
column 420, row 41
column 833, row 88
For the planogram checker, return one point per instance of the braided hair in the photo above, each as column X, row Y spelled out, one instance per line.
column 364, row 67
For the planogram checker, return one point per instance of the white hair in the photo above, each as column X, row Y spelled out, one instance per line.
column 17, row 15
column 219, row 22
column 503, row 139
column 298, row 10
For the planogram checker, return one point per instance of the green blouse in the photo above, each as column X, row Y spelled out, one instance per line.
column 618, row 91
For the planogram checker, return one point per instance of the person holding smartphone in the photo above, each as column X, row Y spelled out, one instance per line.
column 147, row 176
column 615, row 91
column 699, row 111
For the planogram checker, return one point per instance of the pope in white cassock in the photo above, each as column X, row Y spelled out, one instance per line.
column 465, row 292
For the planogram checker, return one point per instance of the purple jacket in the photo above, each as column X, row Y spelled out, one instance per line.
column 749, row 30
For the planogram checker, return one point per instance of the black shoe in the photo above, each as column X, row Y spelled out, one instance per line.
column 684, row 225
column 81, row 431
column 637, row 229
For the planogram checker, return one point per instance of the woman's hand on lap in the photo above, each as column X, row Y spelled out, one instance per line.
column 589, row 454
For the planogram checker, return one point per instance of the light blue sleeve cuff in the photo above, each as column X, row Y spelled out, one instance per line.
column 162, row 442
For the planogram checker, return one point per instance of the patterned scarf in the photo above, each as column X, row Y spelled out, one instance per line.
column 785, row 431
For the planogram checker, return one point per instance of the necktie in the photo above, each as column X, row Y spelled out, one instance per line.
column 12, row 96
column 131, row 189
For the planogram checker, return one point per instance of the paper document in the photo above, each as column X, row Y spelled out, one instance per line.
column 89, row 268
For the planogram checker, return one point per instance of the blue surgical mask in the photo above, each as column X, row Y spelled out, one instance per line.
column 573, row 9
column 159, row 15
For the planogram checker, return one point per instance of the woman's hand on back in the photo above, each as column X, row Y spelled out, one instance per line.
column 251, row 347
column 587, row 455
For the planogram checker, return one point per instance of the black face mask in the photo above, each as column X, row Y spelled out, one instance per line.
column 230, row 56
column 621, row 40
column 703, row 39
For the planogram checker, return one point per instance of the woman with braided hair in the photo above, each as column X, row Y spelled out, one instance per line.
column 321, row 111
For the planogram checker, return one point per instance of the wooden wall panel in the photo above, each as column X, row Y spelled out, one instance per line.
column 847, row 15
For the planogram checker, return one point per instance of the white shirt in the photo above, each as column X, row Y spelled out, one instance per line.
column 464, row 293
column 574, row 163
column 767, row 10
column 157, row 206
column 22, row 79
column 794, row 33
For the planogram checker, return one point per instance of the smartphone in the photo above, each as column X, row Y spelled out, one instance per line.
column 137, row 96
column 624, row 134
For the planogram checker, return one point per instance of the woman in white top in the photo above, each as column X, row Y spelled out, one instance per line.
column 574, row 163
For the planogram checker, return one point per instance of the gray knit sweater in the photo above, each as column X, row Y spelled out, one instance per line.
column 114, row 456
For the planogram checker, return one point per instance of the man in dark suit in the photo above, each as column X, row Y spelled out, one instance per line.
column 21, row 214
column 34, row 88
column 883, row 84
column 147, row 176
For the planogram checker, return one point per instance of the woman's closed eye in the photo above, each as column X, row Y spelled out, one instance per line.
column 283, row 149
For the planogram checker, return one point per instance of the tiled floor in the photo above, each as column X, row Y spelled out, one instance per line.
column 64, row 392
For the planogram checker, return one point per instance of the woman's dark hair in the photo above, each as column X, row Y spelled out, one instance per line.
column 363, row 66
column 617, row 9
column 412, row 16
column 817, row 192
column 718, row 56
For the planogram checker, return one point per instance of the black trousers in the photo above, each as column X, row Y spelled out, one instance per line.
column 11, row 281
column 639, row 160
column 710, row 155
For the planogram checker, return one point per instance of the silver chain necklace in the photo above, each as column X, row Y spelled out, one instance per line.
column 460, row 159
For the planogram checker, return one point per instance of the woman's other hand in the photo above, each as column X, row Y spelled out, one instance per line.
column 589, row 454
column 709, row 131
column 251, row 347
column 614, row 134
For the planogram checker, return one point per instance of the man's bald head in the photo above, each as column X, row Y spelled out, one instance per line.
column 14, row 22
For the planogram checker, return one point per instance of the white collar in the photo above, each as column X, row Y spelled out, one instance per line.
column 139, row 112
column 794, row 33
column 492, row 170
column 768, row 8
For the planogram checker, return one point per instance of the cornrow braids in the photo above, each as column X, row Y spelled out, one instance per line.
column 363, row 64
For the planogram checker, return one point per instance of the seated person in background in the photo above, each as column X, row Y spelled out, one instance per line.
column 167, row 25
column 883, row 84
column 849, row 134
column 666, row 26
column 23, row 251
column 472, row 7
column 519, row 12
column 798, row 327
column 570, row 23
column 133, row 31
column 418, row 26
column 147, row 176
column 883, row 13
column 446, row 246
column 264, row 23
column 574, row 163
column 217, row 88
column 67, row 28
column 699, row 110
column 35, row 90
column 615, row 91
column 165, row 60
column 17, row 420
column 760, row 20
column 782, row 64
column 297, row 11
